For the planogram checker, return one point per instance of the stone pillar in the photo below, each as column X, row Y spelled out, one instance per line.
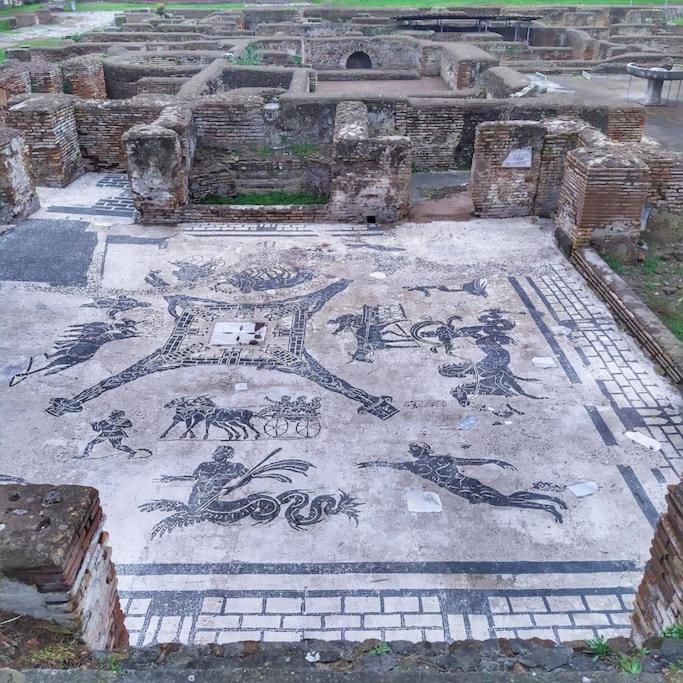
column 18, row 197
column 157, row 171
column 659, row 599
column 370, row 176
column 505, row 167
column 55, row 564
column 84, row 76
column 48, row 125
column 603, row 192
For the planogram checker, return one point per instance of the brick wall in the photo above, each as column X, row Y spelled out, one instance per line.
column 56, row 564
column 627, row 123
column 15, row 79
column 101, row 125
column 462, row 64
column 659, row 599
column 505, row 168
column 48, row 125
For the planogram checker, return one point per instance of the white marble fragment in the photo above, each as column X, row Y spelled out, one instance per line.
column 584, row 488
column 644, row 440
column 544, row 362
column 423, row 501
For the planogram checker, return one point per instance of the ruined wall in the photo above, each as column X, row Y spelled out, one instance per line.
column 385, row 52
column 84, row 77
column 55, row 564
column 659, row 599
column 100, row 127
column 505, row 168
column 48, row 125
column 121, row 77
column 370, row 176
column 462, row 64
column 18, row 197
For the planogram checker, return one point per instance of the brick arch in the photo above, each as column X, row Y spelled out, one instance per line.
column 363, row 47
column 359, row 60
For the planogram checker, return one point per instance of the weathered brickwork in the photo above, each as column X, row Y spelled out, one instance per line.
column 17, row 187
column 55, row 564
column 659, row 599
column 370, row 176
column 505, row 168
column 48, row 125
column 46, row 77
column 84, row 76
column 462, row 64
column 626, row 124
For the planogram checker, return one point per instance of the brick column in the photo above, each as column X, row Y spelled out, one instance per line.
column 49, row 128
column 505, row 167
column 603, row 192
column 561, row 136
column 55, row 564
column 659, row 599
column 46, row 77
column 158, row 172
column 18, row 197
column 370, row 176
column 626, row 123
column 84, row 76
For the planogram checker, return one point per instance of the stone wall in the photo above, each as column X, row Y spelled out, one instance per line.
column 505, row 168
column 45, row 77
column 502, row 82
column 370, row 176
column 18, row 197
column 55, row 564
column 385, row 52
column 48, row 125
column 659, row 599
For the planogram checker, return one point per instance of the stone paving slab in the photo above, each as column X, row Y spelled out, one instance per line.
column 264, row 490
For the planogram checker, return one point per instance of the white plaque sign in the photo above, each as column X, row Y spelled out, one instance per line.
column 518, row 158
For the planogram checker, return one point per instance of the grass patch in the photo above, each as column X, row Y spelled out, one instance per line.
column 266, row 198
column 54, row 656
column 381, row 649
column 651, row 265
column 674, row 322
column 614, row 263
column 304, row 150
column 170, row 6
column 674, row 631
column 598, row 648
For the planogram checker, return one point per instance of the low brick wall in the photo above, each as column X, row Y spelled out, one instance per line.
column 84, row 76
column 55, row 564
column 18, row 197
column 659, row 599
column 629, row 309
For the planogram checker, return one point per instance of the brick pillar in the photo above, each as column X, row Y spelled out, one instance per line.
column 603, row 192
column 49, row 128
column 659, row 599
column 158, row 172
column 561, row 136
column 46, row 77
column 370, row 176
column 626, row 123
column 505, row 167
column 55, row 564
column 84, row 76
column 18, row 197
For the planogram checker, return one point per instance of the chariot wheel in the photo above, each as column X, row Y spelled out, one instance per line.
column 308, row 428
column 276, row 426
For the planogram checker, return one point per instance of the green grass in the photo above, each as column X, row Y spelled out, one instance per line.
column 266, row 198
column 598, row 647
column 170, row 6
column 673, row 631
column 614, row 263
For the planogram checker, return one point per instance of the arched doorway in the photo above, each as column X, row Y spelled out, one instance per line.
column 359, row 60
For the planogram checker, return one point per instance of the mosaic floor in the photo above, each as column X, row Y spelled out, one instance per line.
column 334, row 432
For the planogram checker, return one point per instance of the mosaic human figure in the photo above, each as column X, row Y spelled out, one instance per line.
column 443, row 470
column 113, row 430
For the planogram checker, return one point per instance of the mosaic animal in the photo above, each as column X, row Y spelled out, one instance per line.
column 211, row 498
column 491, row 375
column 474, row 287
column 115, row 306
column 79, row 344
column 443, row 470
column 256, row 280
column 375, row 328
column 192, row 411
